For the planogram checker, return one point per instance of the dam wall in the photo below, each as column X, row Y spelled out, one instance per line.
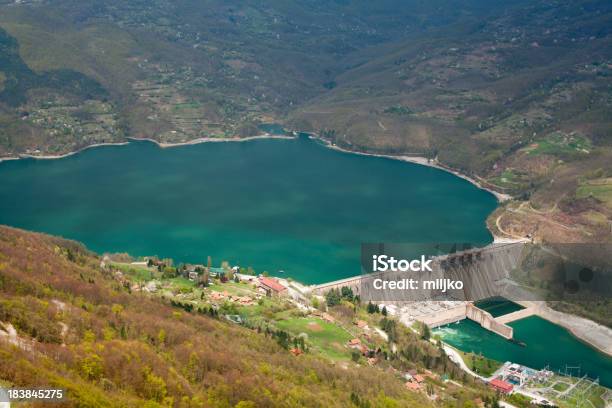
column 487, row 321
column 354, row 283
column 485, row 273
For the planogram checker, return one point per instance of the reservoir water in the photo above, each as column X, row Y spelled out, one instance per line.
column 546, row 344
column 291, row 205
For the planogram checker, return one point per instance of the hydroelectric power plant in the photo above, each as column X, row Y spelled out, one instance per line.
column 484, row 273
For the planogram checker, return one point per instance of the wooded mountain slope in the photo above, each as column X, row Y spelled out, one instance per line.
column 79, row 329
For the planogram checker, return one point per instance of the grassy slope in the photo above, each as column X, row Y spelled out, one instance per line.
column 119, row 349
column 320, row 333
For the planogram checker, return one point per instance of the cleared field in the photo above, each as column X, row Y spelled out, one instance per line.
column 601, row 189
column 329, row 339
column 480, row 364
column 558, row 143
column 138, row 272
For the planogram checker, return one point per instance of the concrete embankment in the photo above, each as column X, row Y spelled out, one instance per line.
column 518, row 315
column 487, row 321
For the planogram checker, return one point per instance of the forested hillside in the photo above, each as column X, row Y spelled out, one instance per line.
column 65, row 323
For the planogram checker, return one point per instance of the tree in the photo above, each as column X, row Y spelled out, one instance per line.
column 91, row 366
column 205, row 279
column 161, row 337
column 169, row 272
column 347, row 293
column 154, row 386
column 333, row 297
column 371, row 308
column 123, row 332
column 384, row 310
column 425, row 332
column 117, row 309
column 389, row 327
column 315, row 302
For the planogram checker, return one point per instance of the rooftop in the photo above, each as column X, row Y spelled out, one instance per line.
column 271, row 283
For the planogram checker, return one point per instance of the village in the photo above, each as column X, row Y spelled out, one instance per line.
column 344, row 334
column 336, row 327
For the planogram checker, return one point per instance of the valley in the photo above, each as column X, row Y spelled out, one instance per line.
column 213, row 175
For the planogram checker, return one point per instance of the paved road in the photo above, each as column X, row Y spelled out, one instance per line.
column 456, row 358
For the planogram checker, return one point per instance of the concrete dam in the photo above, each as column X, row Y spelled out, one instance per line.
column 484, row 272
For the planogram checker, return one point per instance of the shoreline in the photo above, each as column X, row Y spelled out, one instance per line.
column 144, row 139
column 209, row 140
column 61, row 156
column 591, row 333
column 501, row 197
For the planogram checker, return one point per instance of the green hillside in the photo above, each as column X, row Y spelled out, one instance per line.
column 79, row 329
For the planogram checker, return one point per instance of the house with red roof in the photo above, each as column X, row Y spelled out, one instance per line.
column 354, row 343
column 271, row 287
column 413, row 386
column 501, row 385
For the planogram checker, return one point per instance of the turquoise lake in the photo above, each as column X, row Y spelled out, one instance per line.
column 278, row 205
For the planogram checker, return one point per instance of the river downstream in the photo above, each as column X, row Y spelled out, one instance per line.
column 545, row 344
